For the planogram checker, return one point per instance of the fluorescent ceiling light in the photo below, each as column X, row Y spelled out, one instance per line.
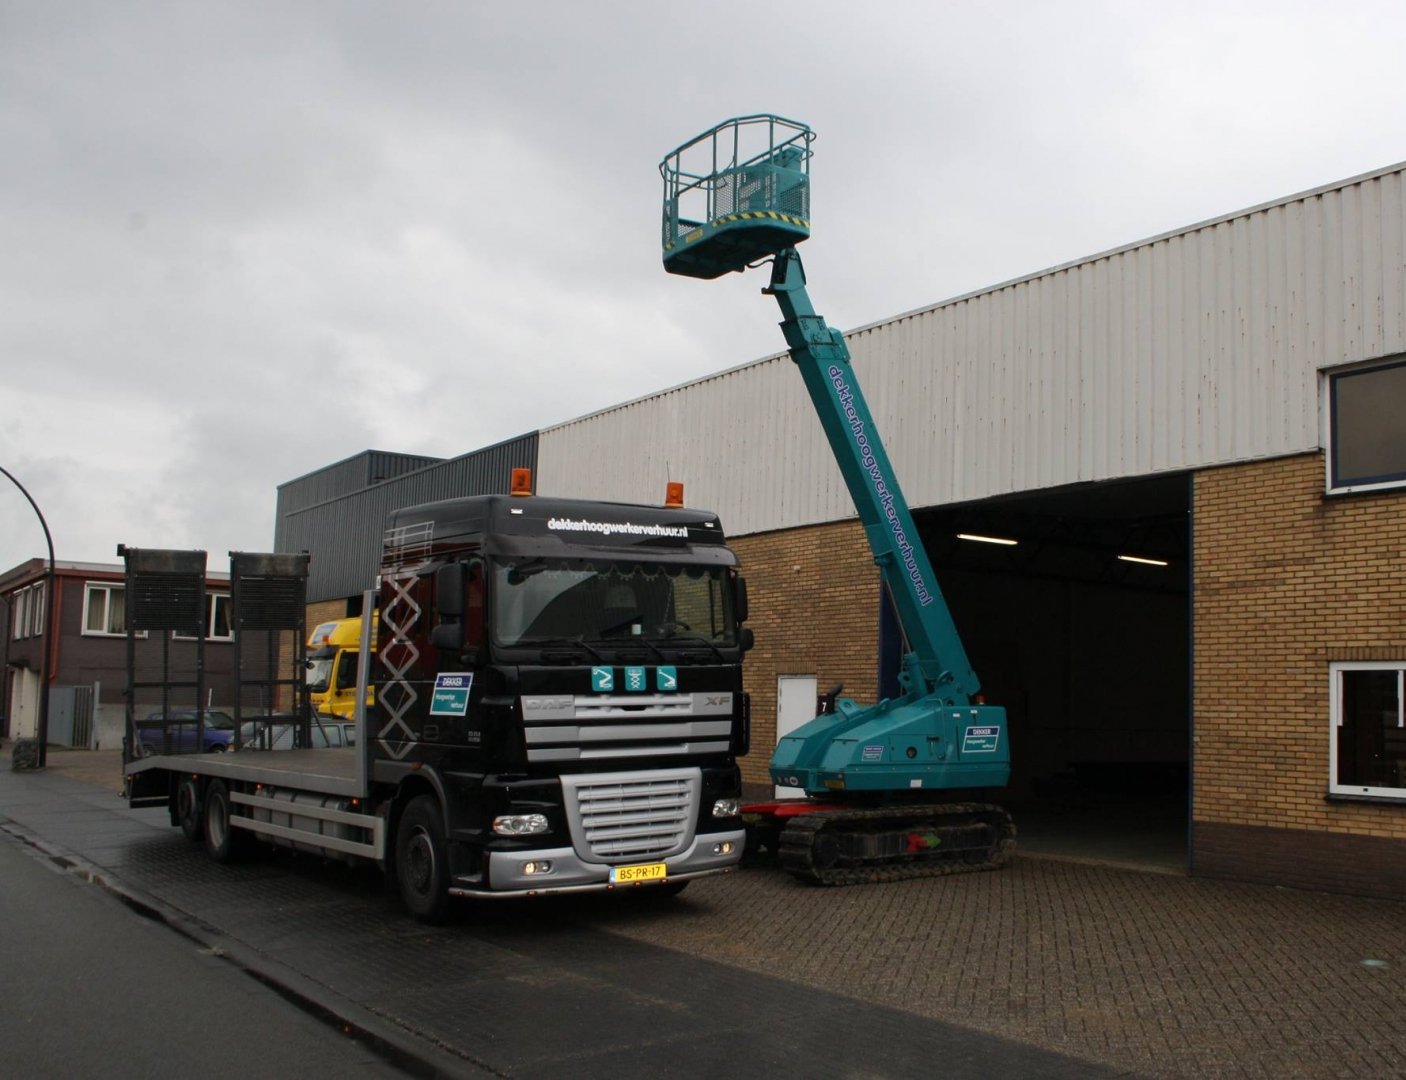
column 1142, row 560
column 987, row 539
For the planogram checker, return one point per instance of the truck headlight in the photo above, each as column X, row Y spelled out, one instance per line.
column 727, row 807
column 520, row 824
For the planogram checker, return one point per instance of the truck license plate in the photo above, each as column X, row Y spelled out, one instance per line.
column 625, row 875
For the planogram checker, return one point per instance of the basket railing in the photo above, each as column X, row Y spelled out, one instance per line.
column 748, row 164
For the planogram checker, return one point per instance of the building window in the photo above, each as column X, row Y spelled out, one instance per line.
column 1366, row 438
column 104, row 609
column 1368, row 753
column 27, row 612
column 217, row 626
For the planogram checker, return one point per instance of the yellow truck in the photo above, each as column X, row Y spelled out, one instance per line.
column 331, row 678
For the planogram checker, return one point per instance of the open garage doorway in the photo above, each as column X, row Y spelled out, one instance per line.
column 1074, row 605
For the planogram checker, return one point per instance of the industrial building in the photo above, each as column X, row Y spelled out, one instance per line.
column 1163, row 491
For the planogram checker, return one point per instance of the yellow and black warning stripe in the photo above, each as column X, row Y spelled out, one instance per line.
column 728, row 219
column 758, row 215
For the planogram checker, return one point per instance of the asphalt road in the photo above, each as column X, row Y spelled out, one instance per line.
column 93, row 989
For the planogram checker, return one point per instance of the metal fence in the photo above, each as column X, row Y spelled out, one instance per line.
column 71, row 716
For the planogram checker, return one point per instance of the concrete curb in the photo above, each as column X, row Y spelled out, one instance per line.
column 414, row 1054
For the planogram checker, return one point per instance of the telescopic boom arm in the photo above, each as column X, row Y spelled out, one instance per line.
column 937, row 662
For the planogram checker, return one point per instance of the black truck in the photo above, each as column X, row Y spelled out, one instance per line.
column 558, row 707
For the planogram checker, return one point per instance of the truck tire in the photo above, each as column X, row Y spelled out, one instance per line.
column 223, row 842
column 422, row 860
column 188, row 810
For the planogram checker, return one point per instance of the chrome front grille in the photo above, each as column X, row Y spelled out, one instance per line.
column 587, row 727
column 616, row 817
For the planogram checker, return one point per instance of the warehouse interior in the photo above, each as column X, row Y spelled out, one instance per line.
column 1074, row 605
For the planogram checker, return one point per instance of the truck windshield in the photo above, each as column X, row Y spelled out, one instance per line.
column 319, row 675
column 550, row 600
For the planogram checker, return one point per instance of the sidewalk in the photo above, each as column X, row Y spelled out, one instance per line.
column 1142, row 973
column 100, row 768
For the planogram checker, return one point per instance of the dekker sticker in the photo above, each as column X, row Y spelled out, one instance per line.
column 981, row 740
column 451, row 693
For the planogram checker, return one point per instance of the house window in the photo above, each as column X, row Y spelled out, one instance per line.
column 1366, row 438
column 104, row 609
column 27, row 612
column 1368, row 752
column 219, row 618
column 217, row 626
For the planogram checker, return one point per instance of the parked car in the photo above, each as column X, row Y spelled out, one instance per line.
column 174, row 732
column 326, row 732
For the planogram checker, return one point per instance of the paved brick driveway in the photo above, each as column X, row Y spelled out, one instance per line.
column 1150, row 973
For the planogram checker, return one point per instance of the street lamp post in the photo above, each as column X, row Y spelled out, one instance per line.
column 48, row 625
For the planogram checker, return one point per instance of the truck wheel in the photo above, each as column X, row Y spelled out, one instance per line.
column 422, row 860
column 223, row 842
column 188, row 815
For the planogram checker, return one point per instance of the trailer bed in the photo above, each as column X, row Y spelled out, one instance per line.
column 329, row 771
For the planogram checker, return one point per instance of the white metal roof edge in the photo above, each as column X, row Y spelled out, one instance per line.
column 1286, row 200
column 1123, row 249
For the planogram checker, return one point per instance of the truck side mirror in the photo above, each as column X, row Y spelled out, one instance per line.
column 449, row 590
column 447, row 635
column 739, row 597
column 449, row 603
column 746, row 639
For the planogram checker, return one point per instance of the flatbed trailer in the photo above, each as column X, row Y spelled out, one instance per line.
column 333, row 770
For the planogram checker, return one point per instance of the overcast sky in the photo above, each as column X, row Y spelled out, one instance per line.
column 240, row 241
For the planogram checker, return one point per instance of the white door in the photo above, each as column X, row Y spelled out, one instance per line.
column 795, row 704
column 24, row 705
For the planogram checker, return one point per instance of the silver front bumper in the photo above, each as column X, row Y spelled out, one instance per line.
column 570, row 873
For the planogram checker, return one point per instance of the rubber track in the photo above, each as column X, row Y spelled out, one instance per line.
column 797, row 847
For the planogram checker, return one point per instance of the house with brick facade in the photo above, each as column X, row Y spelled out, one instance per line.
column 1164, row 490
column 88, row 652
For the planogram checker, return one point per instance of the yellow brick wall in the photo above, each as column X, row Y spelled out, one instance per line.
column 814, row 600
column 1286, row 581
column 325, row 611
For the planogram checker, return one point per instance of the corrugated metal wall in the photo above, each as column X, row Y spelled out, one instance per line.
column 1188, row 350
column 346, row 476
column 343, row 534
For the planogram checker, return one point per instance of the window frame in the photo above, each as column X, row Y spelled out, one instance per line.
column 1334, row 485
column 1336, row 669
column 213, row 602
column 27, row 610
column 108, row 587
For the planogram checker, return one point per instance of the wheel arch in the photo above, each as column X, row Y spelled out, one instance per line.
column 412, row 786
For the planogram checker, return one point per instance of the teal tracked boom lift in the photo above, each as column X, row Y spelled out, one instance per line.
column 882, row 781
